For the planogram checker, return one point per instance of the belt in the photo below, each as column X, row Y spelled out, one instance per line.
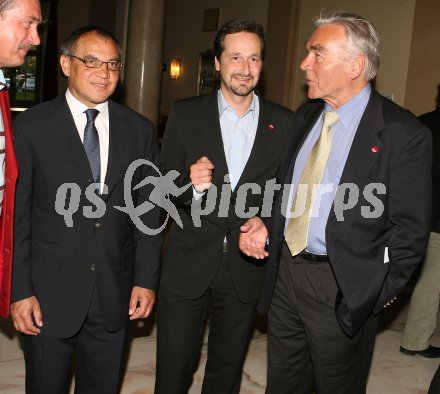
column 315, row 258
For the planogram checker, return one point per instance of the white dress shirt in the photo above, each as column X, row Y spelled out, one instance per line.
column 101, row 123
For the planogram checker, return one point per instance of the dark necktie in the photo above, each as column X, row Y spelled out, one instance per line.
column 91, row 143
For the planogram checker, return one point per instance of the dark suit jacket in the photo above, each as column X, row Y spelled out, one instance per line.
column 357, row 245
column 432, row 121
column 61, row 265
column 194, row 253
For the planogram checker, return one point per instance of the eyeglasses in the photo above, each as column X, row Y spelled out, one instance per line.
column 114, row 65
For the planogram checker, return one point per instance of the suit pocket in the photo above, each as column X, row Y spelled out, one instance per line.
column 46, row 256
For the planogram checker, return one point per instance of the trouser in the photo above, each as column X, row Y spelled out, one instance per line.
column 307, row 348
column 180, row 323
column 422, row 314
column 98, row 357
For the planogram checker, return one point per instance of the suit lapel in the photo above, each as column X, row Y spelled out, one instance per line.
column 63, row 125
column 362, row 156
column 304, row 126
column 265, row 129
column 211, row 137
column 117, row 133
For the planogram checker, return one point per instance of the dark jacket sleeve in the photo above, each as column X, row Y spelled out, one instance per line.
column 409, row 211
column 21, row 280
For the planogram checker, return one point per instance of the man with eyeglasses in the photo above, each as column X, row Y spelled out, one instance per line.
column 76, row 284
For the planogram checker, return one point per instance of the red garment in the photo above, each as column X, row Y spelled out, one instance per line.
column 7, row 214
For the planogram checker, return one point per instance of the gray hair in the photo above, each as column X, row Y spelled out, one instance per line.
column 362, row 38
column 6, row 5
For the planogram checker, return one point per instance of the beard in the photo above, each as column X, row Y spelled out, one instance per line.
column 241, row 89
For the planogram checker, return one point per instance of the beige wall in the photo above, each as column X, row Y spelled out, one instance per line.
column 75, row 14
column 185, row 39
column 393, row 19
column 410, row 61
column 280, row 50
column 424, row 65
column 71, row 15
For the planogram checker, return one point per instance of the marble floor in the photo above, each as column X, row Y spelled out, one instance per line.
column 391, row 371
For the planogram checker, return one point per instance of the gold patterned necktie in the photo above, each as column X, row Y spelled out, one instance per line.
column 298, row 227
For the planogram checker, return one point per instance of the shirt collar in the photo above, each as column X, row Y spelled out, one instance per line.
column 350, row 110
column 77, row 108
column 2, row 80
column 223, row 104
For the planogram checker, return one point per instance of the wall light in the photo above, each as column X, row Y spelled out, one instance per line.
column 175, row 69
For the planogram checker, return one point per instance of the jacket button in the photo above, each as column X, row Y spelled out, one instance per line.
column 97, row 224
column 92, row 267
column 228, row 231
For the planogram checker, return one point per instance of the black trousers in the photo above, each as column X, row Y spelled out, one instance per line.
column 180, row 324
column 434, row 387
column 97, row 354
column 307, row 348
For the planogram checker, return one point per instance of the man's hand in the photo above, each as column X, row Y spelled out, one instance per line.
column 201, row 174
column 22, row 313
column 141, row 302
column 253, row 237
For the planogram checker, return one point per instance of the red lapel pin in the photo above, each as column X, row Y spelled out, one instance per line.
column 271, row 127
column 375, row 149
